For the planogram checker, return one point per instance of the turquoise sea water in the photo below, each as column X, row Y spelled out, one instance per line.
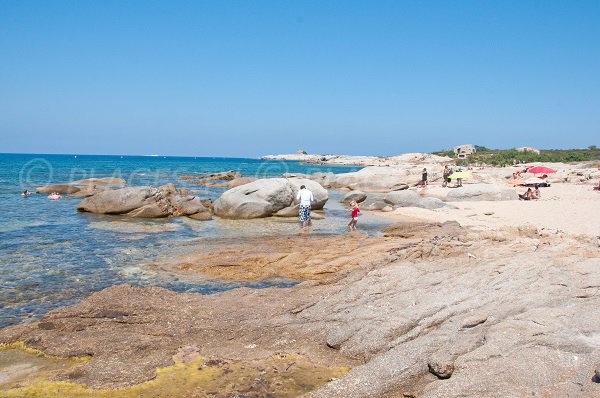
column 51, row 255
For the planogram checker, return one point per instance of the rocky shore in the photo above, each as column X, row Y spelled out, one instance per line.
column 469, row 293
column 429, row 310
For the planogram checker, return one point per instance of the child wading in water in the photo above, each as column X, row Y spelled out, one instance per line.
column 355, row 210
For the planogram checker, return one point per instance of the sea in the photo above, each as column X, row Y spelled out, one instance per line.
column 52, row 256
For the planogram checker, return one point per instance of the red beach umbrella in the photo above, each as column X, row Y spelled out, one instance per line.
column 541, row 170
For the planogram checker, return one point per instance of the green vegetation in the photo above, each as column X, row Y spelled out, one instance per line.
column 502, row 157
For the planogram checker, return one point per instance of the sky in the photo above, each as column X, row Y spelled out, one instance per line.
column 249, row 78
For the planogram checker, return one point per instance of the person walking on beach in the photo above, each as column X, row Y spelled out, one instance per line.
column 445, row 175
column 306, row 198
column 423, row 182
column 354, row 214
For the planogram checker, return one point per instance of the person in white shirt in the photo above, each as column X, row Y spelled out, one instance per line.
column 306, row 198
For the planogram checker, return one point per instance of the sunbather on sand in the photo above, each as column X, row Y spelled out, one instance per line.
column 528, row 195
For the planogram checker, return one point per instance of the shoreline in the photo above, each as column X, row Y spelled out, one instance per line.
column 411, row 311
column 370, row 317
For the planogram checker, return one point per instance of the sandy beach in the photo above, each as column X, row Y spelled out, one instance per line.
column 570, row 208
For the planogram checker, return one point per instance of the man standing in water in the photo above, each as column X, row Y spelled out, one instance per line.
column 305, row 197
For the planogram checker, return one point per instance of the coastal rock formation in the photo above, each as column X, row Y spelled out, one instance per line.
column 324, row 179
column 419, row 318
column 488, row 192
column 265, row 197
column 83, row 188
column 222, row 176
column 375, row 179
column 86, row 191
column 410, row 198
column 404, row 159
column 60, row 188
column 146, row 202
column 236, row 182
column 402, row 198
column 257, row 259
column 119, row 201
column 380, row 179
column 108, row 181
column 357, row 196
column 374, row 204
column 321, row 196
column 226, row 179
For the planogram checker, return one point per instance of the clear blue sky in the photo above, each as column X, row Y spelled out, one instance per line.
column 247, row 78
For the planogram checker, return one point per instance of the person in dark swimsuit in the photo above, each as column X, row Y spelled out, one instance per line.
column 423, row 182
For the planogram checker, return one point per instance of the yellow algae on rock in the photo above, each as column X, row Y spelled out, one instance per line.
column 280, row 375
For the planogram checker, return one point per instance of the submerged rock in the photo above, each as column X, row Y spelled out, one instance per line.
column 60, row 188
column 82, row 188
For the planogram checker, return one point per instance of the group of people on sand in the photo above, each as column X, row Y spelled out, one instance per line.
column 305, row 198
column 446, row 173
column 531, row 194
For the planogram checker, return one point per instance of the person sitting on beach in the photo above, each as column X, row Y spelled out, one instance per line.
column 536, row 193
column 306, row 198
column 26, row 193
column 354, row 214
column 527, row 195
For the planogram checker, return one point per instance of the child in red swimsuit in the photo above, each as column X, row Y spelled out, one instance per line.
column 354, row 211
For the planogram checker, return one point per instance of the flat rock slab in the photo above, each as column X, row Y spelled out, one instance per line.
column 393, row 319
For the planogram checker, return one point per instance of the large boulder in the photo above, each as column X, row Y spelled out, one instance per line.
column 358, row 196
column 257, row 199
column 374, row 204
column 413, row 199
column 109, row 181
column 118, row 201
column 431, row 203
column 60, row 188
column 147, row 202
column 83, row 188
column 189, row 205
column 265, row 197
column 151, row 210
column 320, row 194
column 378, row 179
column 481, row 192
column 89, row 190
column 325, row 179
column 222, row 176
column 402, row 198
column 291, row 211
column 236, row 182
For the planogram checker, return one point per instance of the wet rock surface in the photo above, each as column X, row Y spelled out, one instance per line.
column 314, row 257
column 513, row 320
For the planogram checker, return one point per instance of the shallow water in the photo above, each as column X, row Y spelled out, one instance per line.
column 51, row 255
